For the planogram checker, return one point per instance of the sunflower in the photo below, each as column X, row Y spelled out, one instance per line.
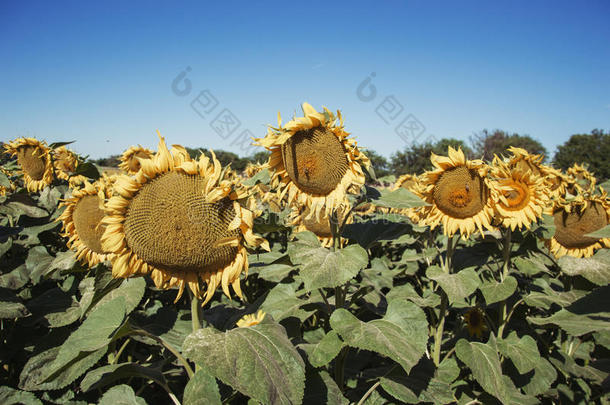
column 252, row 169
column 525, row 161
column 34, row 158
column 130, row 159
column 460, row 195
column 475, row 322
column 65, row 162
column 574, row 220
column 82, row 221
column 522, row 196
column 582, row 179
column 412, row 183
column 313, row 161
column 301, row 219
column 180, row 221
column 556, row 180
column 251, row 319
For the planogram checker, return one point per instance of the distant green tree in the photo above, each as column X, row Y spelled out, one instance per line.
column 259, row 157
column 379, row 162
column 486, row 144
column 415, row 159
column 592, row 149
column 111, row 161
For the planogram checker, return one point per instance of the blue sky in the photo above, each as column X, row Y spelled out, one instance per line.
column 101, row 73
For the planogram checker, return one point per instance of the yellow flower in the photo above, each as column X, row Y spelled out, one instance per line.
column 82, row 221
column 34, row 158
column 65, row 162
column 301, row 219
column 524, row 161
column 556, row 180
column 180, row 221
column 251, row 319
column 475, row 322
column 313, row 161
column 574, row 220
column 582, row 180
column 522, row 198
column 460, row 195
column 130, row 160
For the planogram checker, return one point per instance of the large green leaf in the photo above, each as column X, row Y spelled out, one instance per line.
column 458, row 286
column 574, row 324
column 258, row 361
column 282, row 302
column 121, row 395
column 201, row 389
column 544, row 375
column 522, row 351
column 401, row 198
column 106, row 375
column 132, row 291
column 11, row 306
column 401, row 335
column 530, row 266
column 495, row 292
column 37, row 262
column 324, row 351
column 596, row 269
column 320, row 388
column 600, row 233
column 323, row 268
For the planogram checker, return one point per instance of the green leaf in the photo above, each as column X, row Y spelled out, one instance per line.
column 17, row 209
column 49, row 198
column 37, row 369
column 369, row 232
column 87, row 169
column 55, row 145
column 458, row 286
column 482, row 359
column 63, row 261
column 544, row 375
column 31, row 234
column 282, row 302
column 121, row 395
column 201, row 389
column 548, row 226
column 596, row 269
column 402, row 334
column 262, row 176
column 166, row 323
column 323, row 268
column 574, row 324
column 37, row 262
column 11, row 306
column 11, row 396
column 522, row 351
column 323, row 352
column 495, row 292
column 320, row 388
column 401, row 198
column 258, row 361
column 132, row 291
column 106, row 375
column 530, row 266
column 600, row 233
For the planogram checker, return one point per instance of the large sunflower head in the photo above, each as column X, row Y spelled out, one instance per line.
column 130, row 159
column 180, row 221
column 575, row 219
column 523, row 160
column 475, row 322
column 34, row 158
column 313, row 160
column 65, row 162
column 82, row 221
column 522, row 197
column 301, row 220
column 583, row 181
column 460, row 195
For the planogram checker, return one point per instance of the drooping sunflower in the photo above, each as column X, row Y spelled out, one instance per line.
column 130, row 162
column 475, row 322
column 65, row 162
column 34, row 158
column 573, row 220
column 313, row 161
column 460, row 195
column 557, row 181
column 82, row 221
column 583, row 180
column 180, row 221
column 251, row 319
column 525, row 161
column 301, row 220
column 522, row 197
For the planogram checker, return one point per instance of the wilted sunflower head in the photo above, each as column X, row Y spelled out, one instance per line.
column 34, row 159
column 182, row 222
column 583, row 181
column 557, row 182
column 522, row 195
column 253, row 168
column 574, row 220
column 251, row 319
column 475, row 322
column 460, row 195
column 524, row 161
column 302, row 220
column 65, row 162
column 130, row 159
column 313, row 161
column 82, row 221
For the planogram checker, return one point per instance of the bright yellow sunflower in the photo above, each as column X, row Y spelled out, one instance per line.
column 583, row 181
column 525, row 161
column 475, row 322
column 251, row 319
column 65, row 162
column 522, row 197
column 460, row 195
column 82, row 221
column 573, row 220
column 34, row 158
column 313, row 161
column 301, row 220
column 180, row 221
column 130, row 159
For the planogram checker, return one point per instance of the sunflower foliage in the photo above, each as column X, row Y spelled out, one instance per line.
column 474, row 282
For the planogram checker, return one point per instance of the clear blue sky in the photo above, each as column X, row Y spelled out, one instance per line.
column 101, row 73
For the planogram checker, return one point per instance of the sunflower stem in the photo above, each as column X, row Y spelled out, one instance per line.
column 438, row 334
column 504, row 275
column 195, row 307
column 340, row 367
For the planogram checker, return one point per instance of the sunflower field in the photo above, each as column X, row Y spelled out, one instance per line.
column 302, row 280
